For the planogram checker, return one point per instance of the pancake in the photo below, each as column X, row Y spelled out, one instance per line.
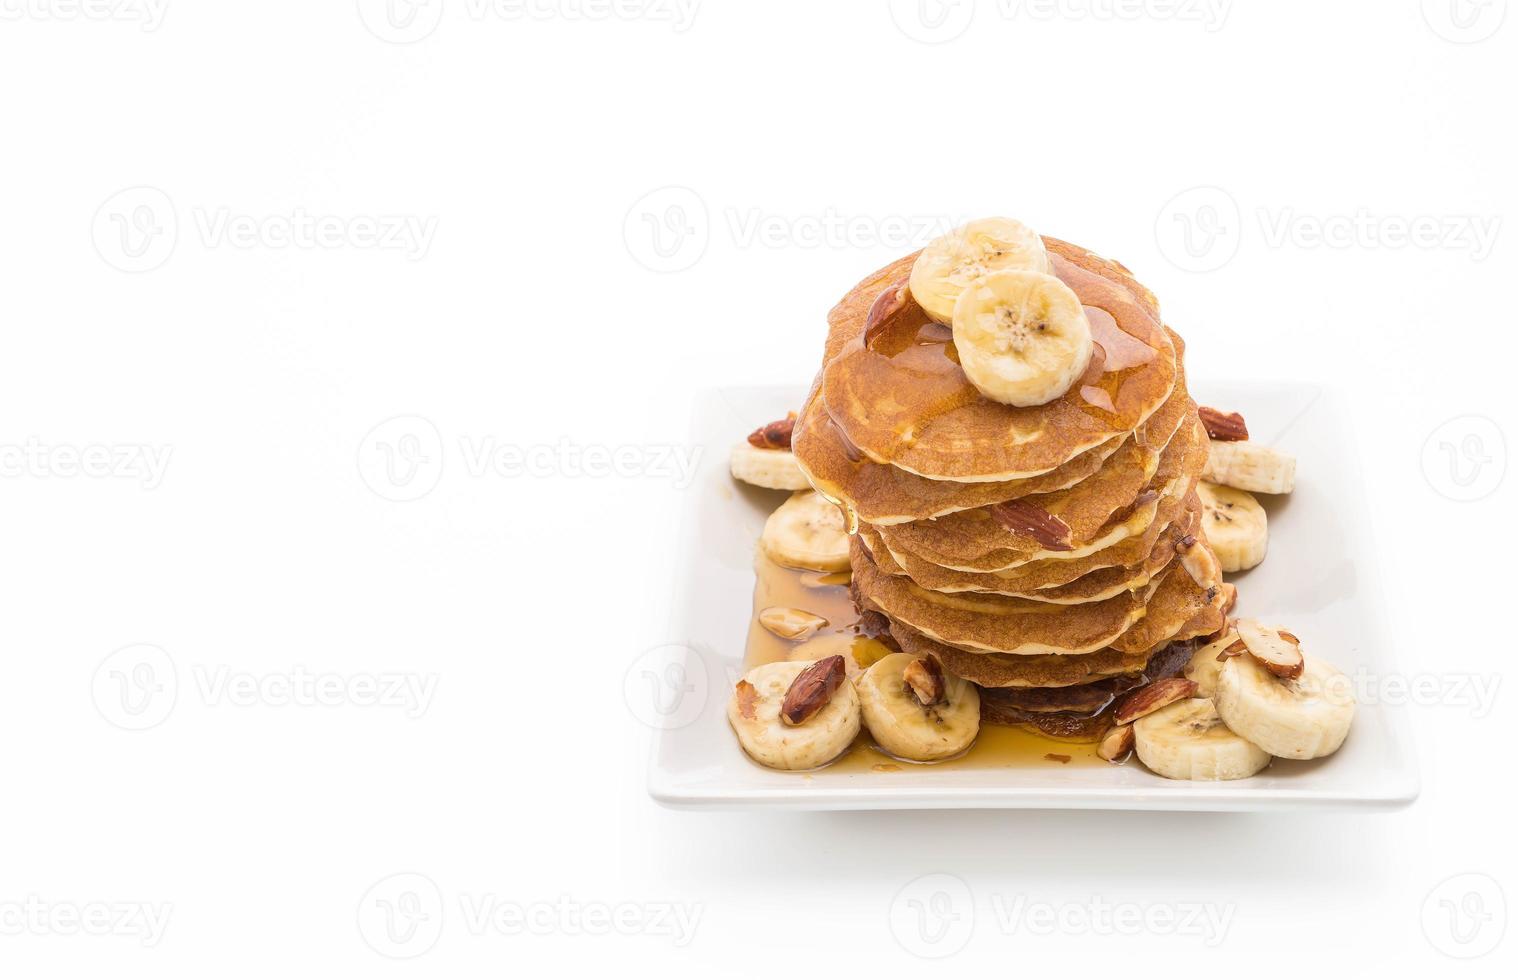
column 991, row 670
column 999, row 624
column 974, row 541
column 904, row 400
column 881, row 494
column 1103, row 583
column 1037, row 579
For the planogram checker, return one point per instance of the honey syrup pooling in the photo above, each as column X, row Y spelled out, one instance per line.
column 827, row 595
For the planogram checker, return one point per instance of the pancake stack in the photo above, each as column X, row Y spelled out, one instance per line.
column 1050, row 553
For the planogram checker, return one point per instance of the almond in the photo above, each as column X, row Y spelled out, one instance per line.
column 886, row 306
column 1234, row 649
column 1116, row 744
column 1230, row 598
column 1152, row 697
column 1223, row 427
column 925, row 677
column 747, row 696
column 790, row 624
column 1021, row 517
column 812, row 689
column 774, row 435
column 1277, row 651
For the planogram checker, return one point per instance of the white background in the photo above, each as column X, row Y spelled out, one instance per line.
column 270, row 551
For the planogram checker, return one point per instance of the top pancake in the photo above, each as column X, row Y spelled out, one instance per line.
column 904, row 400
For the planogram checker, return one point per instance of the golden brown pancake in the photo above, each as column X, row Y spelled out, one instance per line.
column 882, row 494
column 1009, row 670
column 1099, row 584
column 904, row 399
column 973, row 540
column 1038, row 580
column 993, row 623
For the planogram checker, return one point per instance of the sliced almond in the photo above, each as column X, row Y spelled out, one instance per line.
column 1199, row 562
column 1221, row 426
column 789, row 623
column 748, row 696
column 1234, row 649
column 1021, row 517
column 1277, row 650
column 886, row 306
column 925, row 677
column 1230, row 598
column 1152, row 697
column 811, row 690
column 1116, row 744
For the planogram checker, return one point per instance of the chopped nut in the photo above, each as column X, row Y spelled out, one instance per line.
column 1199, row 562
column 790, row 624
column 1116, row 744
column 1021, row 517
column 1277, row 651
column 884, row 309
column 1057, row 757
column 747, row 696
column 811, row 690
column 774, row 435
column 1232, row 650
column 1230, row 598
column 925, row 677
column 1222, row 427
column 1152, row 697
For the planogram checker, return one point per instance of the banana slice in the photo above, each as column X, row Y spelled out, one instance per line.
column 1022, row 337
column 1306, row 717
column 807, row 532
column 954, row 261
column 1234, row 524
column 905, row 726
column 1247, row 466
column 773, row 469
column 754, row 711
column 1187, row 740
column 1204, row 665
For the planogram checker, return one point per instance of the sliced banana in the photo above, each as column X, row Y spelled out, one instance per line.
column 1251, row 467
column 954, row 261
column 1306, row 717
column 754, row 713
column 1234, row 524
column 773, row 469
column 1187, row 740
column 807, row 532
column 1022, row 337
column 905, row 727
column 1204, row 665
column 859, row 653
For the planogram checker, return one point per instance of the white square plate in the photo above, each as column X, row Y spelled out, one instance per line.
column 1320, row 578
